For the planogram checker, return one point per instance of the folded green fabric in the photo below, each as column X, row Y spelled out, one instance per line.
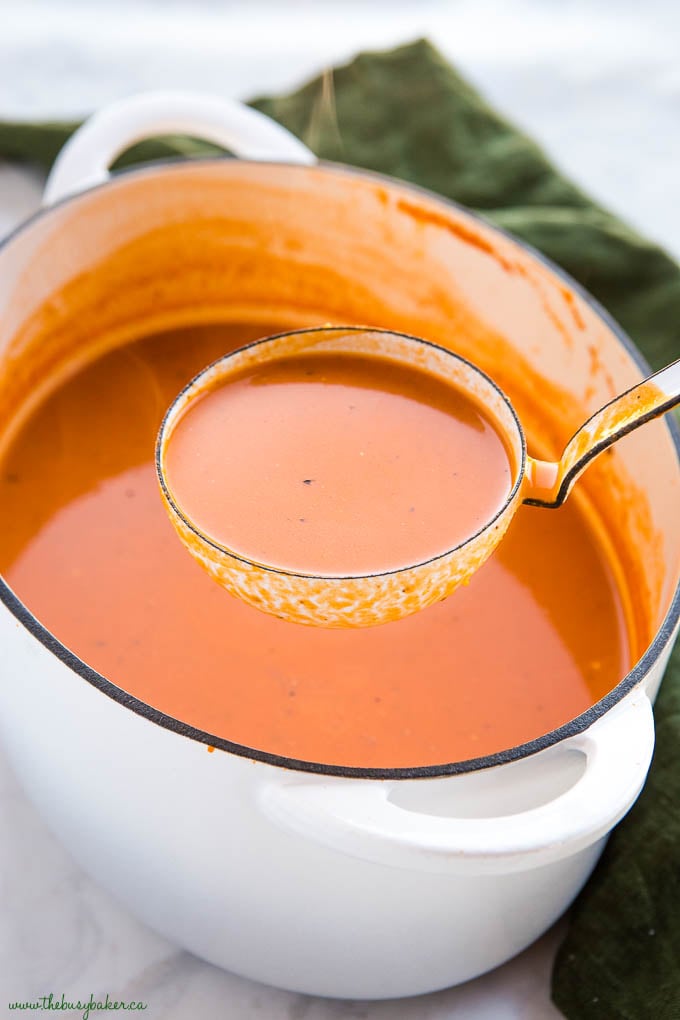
column 407, row 113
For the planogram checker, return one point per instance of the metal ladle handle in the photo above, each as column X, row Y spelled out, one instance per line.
column 549, row 484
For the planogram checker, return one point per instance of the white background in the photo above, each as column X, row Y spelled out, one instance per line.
column 597, row 82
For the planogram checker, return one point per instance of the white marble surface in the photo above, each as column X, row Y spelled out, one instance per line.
column 597, row 82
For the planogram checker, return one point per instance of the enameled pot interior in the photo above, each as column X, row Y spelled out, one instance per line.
column 233, row 241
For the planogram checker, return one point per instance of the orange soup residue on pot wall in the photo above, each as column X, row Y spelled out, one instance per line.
column 337, row 464
column 537, row 636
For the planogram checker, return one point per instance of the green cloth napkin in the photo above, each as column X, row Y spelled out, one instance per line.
column 409, row 114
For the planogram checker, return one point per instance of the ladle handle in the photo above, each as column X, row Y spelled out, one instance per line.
column 549, row 484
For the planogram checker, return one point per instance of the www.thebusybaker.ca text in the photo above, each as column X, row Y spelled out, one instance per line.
column 87, row 1006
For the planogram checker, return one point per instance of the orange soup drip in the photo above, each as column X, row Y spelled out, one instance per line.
column 536, row 637
column 337, row 464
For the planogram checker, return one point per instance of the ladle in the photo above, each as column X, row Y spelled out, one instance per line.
column 362, row 600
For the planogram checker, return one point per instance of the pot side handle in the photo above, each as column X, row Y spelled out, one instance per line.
column 85, row 159
column 356, row 817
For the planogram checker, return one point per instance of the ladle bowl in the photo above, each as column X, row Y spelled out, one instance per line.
column 345, row 600
column 364, row 600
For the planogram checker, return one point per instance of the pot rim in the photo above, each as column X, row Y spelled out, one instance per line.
column 569, row 729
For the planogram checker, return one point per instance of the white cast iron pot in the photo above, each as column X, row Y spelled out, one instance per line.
column 332, row 881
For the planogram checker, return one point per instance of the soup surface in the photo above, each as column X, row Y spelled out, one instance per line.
column 536, row 637
column 337, row 464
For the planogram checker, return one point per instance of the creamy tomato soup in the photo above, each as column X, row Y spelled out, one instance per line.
column 535, row 638
column 337, row 464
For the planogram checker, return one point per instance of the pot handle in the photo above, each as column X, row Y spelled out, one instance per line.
column 356, row 817
column 85, row 159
